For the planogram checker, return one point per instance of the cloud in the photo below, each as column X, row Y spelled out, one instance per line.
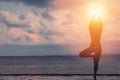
column 17, row 28
column 71, row 22
column 35, row 3
column 4, row 37
column 12, row 20
column 69, row 25
column 23, row 37
column 57, row 27
column 64, row 24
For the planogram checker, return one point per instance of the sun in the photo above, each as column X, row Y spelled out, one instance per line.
column 96, row 9
column 96, row 12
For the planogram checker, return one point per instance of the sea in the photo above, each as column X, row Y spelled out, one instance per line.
column 41, row 68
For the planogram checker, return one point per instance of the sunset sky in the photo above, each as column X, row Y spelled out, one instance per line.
column 54, row 27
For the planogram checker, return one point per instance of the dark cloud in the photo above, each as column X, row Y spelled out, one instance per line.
column 14, row 24
column 22, row 17
column 10, row 24
column 25, row 37
column 36, row 3
column 36, row 12
column 46, row 15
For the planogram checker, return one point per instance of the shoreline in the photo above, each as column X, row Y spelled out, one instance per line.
column 59, row 74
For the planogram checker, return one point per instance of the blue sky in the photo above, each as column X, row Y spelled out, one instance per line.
column 53, row 27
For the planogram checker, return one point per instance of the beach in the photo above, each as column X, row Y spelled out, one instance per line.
column 57, row 78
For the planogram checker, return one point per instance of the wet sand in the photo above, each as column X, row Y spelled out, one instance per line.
column 58, row 78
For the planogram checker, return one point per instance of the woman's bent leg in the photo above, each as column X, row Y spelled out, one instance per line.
column 86, row 53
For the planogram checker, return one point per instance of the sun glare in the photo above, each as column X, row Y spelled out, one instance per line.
column 96, row 10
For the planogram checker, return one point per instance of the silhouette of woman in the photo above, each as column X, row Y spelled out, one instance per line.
column 95, row 29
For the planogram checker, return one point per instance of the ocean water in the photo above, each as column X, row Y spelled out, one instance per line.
column 57, row 65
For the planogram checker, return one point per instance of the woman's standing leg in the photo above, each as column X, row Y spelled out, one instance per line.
column 96, row 59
